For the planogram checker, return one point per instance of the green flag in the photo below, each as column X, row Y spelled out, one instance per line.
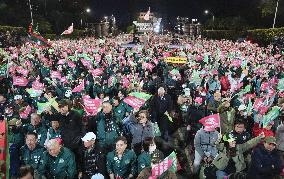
column 249, row 108
column 141, row 95
column 3, row 70
column 271, row 115
column 280, row 86
column 42, row 107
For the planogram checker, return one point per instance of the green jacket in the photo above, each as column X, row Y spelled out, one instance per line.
column 107, row 130
column 62, row 166
column 34, row 158
column 221, row 161
column 119, row 112
column 52, row 134
column 144, row 160
column 40, row 130
column 122, row 167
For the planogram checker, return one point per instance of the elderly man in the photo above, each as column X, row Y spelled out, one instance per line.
column 60, row 161
column 33, row 154
column 121, row 163
column 265, row 160
column 159, row 106
column 93, row 158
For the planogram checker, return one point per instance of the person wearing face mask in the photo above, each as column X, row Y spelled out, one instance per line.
column 121, row 163
column 266, row 162
column 231, row 155
column 33, row 154
column 140, row 129
column 107, row 127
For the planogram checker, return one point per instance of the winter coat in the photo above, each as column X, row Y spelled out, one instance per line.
column 280, row 137
column 227, row 118
column 93, row 162
column 139, row 132
column 204, row 142
column 72, row 129
column 222, row 159
column 264, row 164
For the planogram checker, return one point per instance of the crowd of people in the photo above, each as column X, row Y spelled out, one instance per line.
column 55, row 133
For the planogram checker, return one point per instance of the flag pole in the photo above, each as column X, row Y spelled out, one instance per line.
column 31, row 11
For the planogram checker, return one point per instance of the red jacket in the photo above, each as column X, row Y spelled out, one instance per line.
column 225, row 83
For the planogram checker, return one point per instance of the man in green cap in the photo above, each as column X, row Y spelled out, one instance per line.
column 33, row 154
column 121, row 163
column 60, row 161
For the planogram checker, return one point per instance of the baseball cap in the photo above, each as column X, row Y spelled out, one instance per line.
column 270, row 140
column 89, row 136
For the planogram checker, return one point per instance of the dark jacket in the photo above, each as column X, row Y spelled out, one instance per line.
column 264, row 164
column 158, row 106
column 93, row 162
column 72, row 129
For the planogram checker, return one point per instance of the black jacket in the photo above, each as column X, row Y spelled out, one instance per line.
column 264, row 164
column 72, row 129
column 93, row 162
column 159, row 106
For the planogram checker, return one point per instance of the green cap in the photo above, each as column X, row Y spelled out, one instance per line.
column 270, row 140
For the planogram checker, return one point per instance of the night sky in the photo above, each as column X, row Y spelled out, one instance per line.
column 172, row 8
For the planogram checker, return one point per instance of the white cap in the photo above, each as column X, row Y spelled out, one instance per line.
column 89, row 136
column 18, row 97
column 98, row 176
column 242, row 107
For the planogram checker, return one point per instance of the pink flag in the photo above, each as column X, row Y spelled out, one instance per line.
column 26, row 112
column 71, row 64
column 97, row 72
column 91, row 105
column 36, row 85
column 63, row 80
column 69, row 30
column 20, row 81
column 79, row 88
column 55, row 74
column 198, row 100
column 147, row 15
column 210, row 122
column 134, row 102
column 22, row 71
column 258, row 103
column 237, row 63
column 86, row 63
column 159, row 169
column 61, row 62
column 264, row 86
column 125, row 82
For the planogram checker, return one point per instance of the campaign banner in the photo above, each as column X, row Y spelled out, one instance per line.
column 34, row 93
column 134, row 102
column 22, row 71
column 26, row 112
column 144, row 27
column 169, row 163
column 55, row 74
column 178, row 60
column 71, row 64
column 210, row 122
column 20, row 81
column 41, row 107
column 92, row 105
column 271, row 115
column 36, row 85
column 97, row 72
column 79, row 88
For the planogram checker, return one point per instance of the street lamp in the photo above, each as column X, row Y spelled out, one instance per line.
column 213, row 17
column 88, row 10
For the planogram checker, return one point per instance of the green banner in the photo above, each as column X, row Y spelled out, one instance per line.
column 271, row 115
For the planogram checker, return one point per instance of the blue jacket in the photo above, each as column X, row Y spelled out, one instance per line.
column 262, row 163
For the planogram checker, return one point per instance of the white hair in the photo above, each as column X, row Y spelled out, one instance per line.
column 161, row 90
column 52, row 143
